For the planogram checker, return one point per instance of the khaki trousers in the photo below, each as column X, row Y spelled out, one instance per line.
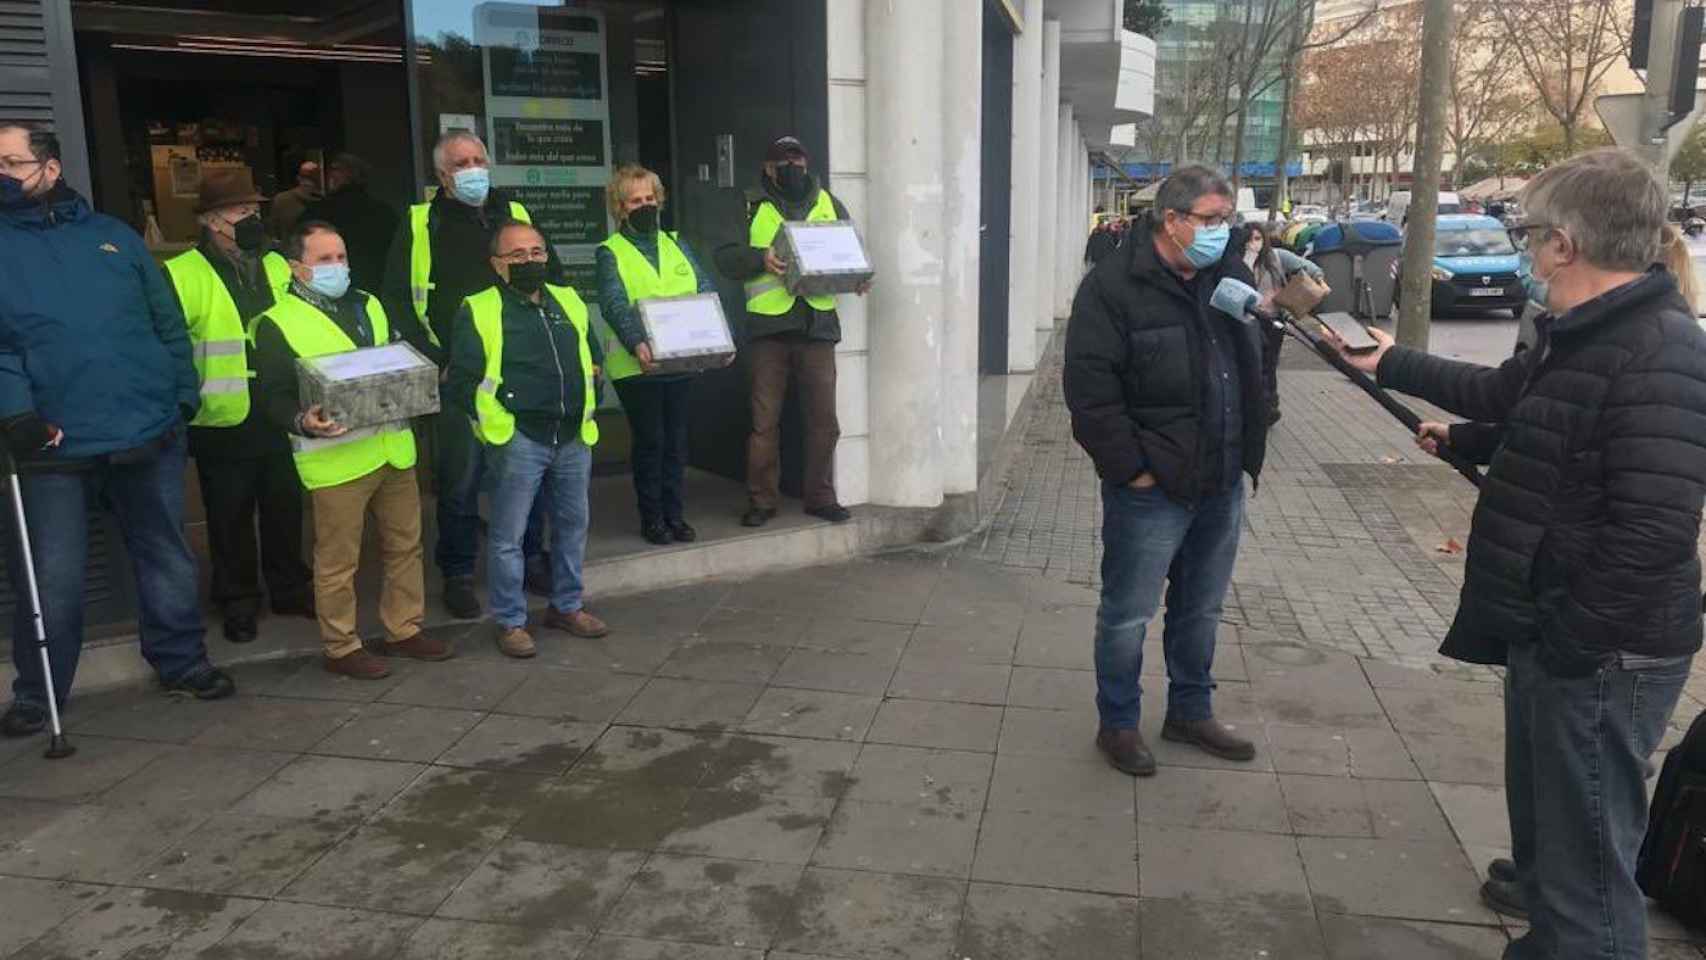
column 340, row 514
column 812, row 365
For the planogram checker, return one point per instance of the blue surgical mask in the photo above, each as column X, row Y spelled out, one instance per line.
column 1536, row 287
column 1209, row 246
column 330, row 280
column 471, row 184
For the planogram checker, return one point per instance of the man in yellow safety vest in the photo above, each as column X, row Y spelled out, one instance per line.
column 241, row 459
column 787, row 336
column 442, row 256
column 524, row 370
column 349, row 473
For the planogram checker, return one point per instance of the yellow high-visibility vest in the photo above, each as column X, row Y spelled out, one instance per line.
column 765, row 293
column 420, row 259
column 493, row 422
column 672, row 277
column 329, row 461
column 218, row 341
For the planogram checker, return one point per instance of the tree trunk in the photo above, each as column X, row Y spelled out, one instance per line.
column 1416, row 314
column 1569, row 139
column 1238, row 146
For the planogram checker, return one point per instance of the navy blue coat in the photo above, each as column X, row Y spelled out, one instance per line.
column 91, row 338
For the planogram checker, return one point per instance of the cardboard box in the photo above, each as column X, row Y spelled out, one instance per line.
column 823, row 257
column 370, row 386
column 687, row 334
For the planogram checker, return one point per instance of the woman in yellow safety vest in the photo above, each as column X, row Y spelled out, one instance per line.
column 639, row 261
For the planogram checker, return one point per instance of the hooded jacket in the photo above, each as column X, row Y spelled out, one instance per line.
column 91, row 337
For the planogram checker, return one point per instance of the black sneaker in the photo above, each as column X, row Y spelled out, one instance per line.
column 23, row 719
column 1502, row 869
column 460, row 598
column 683, row 532
column 207, row 683
column 1506, row 898
column 656, row 533
column 757, row 516
column 241, row 629
column 834, row 513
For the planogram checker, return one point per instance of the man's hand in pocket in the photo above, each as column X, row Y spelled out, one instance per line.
column 1142, row 481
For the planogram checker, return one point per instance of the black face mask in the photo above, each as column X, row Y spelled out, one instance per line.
column 792, row 181
column 249, row 233
column 644, row 219
column 528, row 277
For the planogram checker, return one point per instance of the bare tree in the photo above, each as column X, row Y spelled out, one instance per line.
column 1299, row 42
column 1487, row 97
column 1565, row 48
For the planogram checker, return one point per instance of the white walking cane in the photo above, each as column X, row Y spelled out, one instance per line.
column 57, row 747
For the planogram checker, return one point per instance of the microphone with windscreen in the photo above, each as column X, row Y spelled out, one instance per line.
column 1238, row 299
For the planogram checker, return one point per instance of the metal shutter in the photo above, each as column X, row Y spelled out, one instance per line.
column 25, row 92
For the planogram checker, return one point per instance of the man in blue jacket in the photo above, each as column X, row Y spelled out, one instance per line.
column 96, row 384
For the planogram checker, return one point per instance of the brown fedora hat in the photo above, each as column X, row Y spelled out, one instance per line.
column 225, row 188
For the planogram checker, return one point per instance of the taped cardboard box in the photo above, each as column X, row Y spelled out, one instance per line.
column 687, row 334
column 369, row 386
column 824, row 257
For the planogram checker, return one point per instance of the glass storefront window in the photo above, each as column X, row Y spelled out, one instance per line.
column 561, row 93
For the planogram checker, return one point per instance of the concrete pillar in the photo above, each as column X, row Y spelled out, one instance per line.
column 903, row 55
column 962, row 132
column 1069, row 227
column 1027, row 158
column 1048, row 185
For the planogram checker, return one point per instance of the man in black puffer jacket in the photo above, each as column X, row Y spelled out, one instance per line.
column 1166, row 397
column 1582, row 573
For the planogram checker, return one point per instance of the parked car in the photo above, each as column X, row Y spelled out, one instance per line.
column 1398, row 205
column 1309, row 213
column 1474, row 266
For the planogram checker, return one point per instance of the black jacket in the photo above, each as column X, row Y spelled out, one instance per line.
column 741, row 262
column 1584, row 535
column 461, row 239
column 543, row 385
column 1135, row 370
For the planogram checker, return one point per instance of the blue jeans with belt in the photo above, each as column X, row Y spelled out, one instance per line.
column 1149, row 541
column 520, row 469
column 147, row 497
column 1577, row 752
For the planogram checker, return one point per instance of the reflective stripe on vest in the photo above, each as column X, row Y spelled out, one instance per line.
column 420, row 258
column 218, row 340
column 329, row 461
column 765, row 293
column 494, row 424
column 673, row 277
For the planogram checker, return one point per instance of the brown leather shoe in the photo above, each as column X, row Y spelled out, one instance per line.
column 516, row 642
column 580, row 623
column 421, row 647
column 1209, row 736
column 1126, row 751
column 361, row 665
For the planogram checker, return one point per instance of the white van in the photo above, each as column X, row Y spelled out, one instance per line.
column 1398, row 205
column 1247, row 208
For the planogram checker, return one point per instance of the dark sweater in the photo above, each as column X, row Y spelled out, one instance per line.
column 461, row 266
column 255, row 437
column 275, row 361
column 542, row 381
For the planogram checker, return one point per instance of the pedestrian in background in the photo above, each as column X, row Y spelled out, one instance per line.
column 348, row 473
column 242, row 460
column 524, row 368
column 289, row 205
column 367, row 225
column 96, row 385
column 1582, row 575
column 1272, row 265
column 637, row 262
column 1166, row 397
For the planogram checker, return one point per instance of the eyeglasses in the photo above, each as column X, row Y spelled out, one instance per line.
column 10, row 164
column 1523, row 234
column 1208, row 220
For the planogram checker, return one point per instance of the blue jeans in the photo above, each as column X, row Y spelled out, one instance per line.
column 1576, row 757
column 148, row 500
column 460, row 476
column 520, row 468
column 1148, row 540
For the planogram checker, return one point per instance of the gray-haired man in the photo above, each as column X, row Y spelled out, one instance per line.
column 442, row 256
column 1167, row 398
column 1582, row 572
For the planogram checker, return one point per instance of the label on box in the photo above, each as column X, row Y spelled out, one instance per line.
column 687, row 326
column 366, row 363
column 829, row 249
